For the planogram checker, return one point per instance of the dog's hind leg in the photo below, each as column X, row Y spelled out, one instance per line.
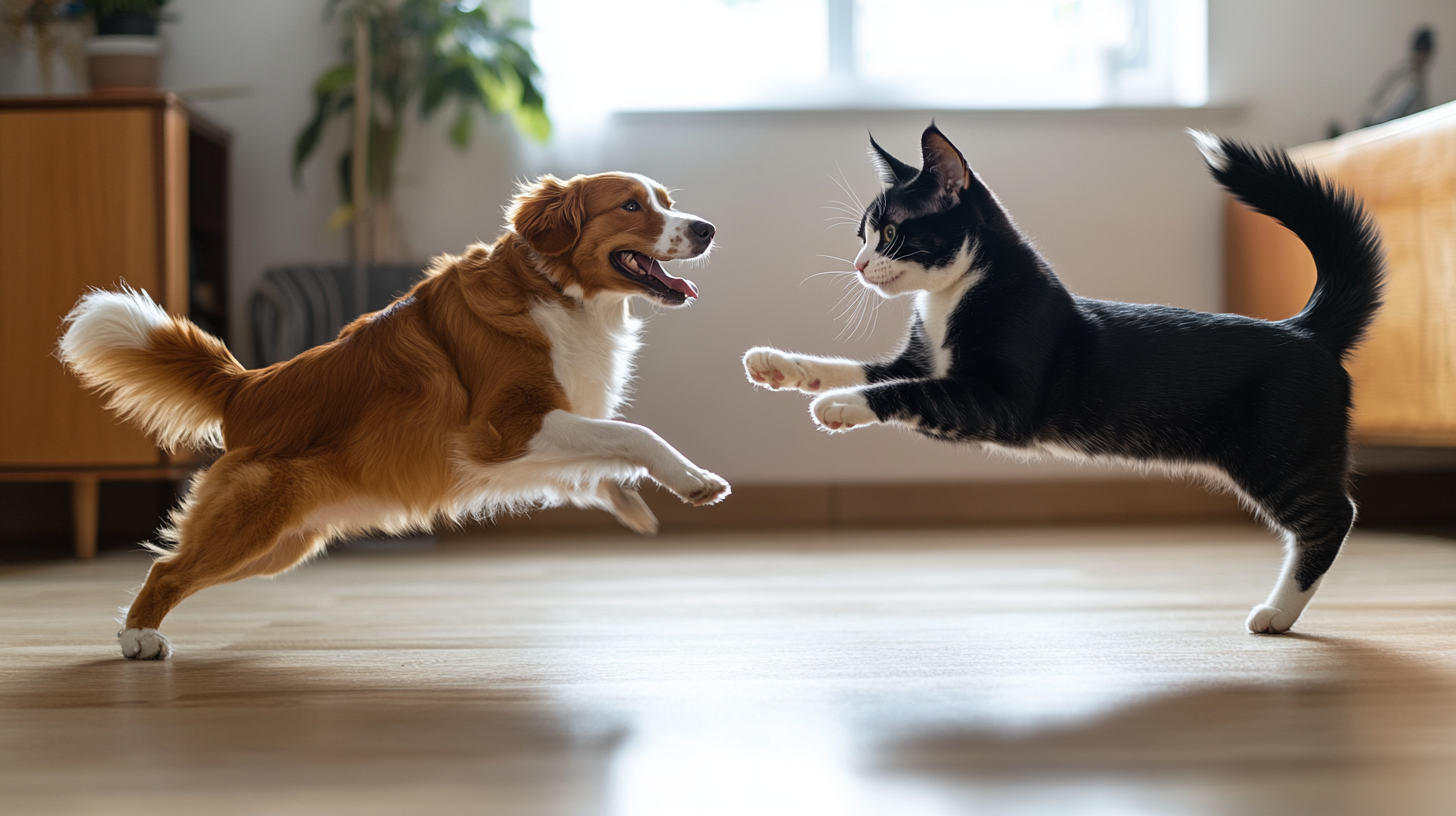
column 626, row 504
column 293, row 548
column 1316, row 526
column 235, row 517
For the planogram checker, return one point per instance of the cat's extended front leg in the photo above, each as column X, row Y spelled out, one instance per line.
column 779, row 370
column 842, row 410
column 943, row 408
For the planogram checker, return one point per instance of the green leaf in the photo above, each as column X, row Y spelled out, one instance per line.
column 533, row 122
column 341, row 217
column 305, row 144
column 346, row 176
column 464, row 125
column 337, row 77
column 424, row 53
column 331, row 98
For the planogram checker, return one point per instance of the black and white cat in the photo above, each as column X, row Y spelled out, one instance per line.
column 1000, row 353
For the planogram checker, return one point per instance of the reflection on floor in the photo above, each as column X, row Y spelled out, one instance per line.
column 1081, row 671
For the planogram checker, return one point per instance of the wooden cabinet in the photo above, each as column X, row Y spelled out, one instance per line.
column 1405, row 372
column 94, row 192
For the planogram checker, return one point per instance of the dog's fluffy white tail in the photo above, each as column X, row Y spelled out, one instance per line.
column 158, row 371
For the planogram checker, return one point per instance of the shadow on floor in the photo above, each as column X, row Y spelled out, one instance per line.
column 1370, row 732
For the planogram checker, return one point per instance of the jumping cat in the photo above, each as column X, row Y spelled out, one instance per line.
column 999, row 353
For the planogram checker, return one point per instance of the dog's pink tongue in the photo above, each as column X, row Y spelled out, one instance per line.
column 676, row 284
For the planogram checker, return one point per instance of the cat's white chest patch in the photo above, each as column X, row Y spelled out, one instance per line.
column 934, row 310
column 592, row 348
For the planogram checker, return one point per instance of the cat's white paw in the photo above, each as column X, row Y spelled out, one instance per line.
column 144, row 644
column 774, row 369
column 1268, row 620
column 842, row 410
column 696, row 486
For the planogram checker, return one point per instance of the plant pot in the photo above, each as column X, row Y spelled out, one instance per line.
column 123, row 64
column 127, row 24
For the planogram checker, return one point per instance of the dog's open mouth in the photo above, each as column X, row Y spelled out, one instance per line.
column 645, row 271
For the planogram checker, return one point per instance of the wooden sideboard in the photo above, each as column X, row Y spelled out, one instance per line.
column 1405, row 372
column 95, row 191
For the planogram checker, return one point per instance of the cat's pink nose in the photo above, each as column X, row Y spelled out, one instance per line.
column 860, row 265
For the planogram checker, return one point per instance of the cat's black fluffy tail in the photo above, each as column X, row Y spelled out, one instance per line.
column 1348, row 256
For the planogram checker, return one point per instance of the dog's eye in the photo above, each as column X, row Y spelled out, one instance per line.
column 890, row 232
column 632, row 206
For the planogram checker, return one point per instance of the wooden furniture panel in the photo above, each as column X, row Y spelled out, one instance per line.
column 65, row 225
column 1405, row 372
column 94, row 192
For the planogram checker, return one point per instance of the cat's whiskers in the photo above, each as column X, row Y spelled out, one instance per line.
column 855, row 297
column 830, row 272
column 843, row 183
column 852, row 315
column 850, row 292
column 862, row 314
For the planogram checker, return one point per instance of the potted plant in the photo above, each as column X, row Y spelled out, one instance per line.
column 413, row 54
column 125, row 54
column 56, row 31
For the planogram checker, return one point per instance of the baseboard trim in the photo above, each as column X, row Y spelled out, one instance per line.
column 1390, row 500
column 938, row 504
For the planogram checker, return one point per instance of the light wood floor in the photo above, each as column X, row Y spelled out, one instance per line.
column 1080, row 671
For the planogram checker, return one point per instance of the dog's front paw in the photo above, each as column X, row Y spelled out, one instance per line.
column 697, row 486
column 842, row 410
column 144, row 644
column 1268, row 620
column 774, row 369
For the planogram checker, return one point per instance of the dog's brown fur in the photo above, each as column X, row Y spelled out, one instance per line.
column 382, row 416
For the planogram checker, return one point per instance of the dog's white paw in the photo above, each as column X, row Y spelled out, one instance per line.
column 842, row 410
column 1268, row 620
column 697, row 486
column 144, row 644
column 774, row 369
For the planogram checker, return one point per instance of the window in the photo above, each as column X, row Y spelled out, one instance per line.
column 726, row 54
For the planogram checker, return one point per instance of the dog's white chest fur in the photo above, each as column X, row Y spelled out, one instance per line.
column 592, row 348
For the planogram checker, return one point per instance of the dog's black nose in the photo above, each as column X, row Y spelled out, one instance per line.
column 703, row 230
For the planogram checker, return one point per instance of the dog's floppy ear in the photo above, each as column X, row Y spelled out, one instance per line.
column 891, row 170
column 549, row 214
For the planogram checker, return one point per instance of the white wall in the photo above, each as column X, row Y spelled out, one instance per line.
column 1117, row 200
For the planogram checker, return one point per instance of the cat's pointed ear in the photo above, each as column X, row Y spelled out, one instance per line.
column 890, row 169
column 944, row 162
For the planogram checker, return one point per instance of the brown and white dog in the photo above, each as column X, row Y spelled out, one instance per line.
column 493, row 384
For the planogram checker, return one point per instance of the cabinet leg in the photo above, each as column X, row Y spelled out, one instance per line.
column 85, row 508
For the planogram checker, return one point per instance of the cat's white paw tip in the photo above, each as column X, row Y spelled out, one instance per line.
column 1268, row 620
column 144, row 644
column 841, row 412
column 772, row 369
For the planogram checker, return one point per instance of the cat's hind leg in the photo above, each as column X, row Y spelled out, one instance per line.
column 1316, row 525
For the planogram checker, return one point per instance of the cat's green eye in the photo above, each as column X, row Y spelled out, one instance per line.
column 889, row 232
